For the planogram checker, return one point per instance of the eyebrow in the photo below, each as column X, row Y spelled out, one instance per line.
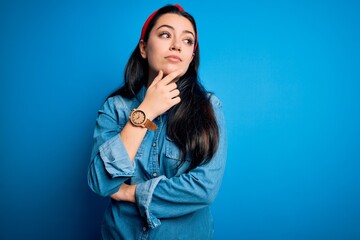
column 171, row 27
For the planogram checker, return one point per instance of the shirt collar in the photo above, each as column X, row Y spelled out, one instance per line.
column 141, row 94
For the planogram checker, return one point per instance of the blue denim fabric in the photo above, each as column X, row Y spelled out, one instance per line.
column 170, row 204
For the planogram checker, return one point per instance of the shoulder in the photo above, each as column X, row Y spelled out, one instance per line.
column 218, row 109
column 214, row 100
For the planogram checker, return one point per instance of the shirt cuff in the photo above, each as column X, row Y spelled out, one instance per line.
column 144, row 192
column 116, row 160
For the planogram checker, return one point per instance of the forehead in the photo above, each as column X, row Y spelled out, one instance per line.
column 176, row 21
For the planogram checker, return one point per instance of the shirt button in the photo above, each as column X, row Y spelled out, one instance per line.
column 154, row 174
column 154, row 144
column 144, row 229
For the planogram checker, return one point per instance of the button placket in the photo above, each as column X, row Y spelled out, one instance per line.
column 154, row 155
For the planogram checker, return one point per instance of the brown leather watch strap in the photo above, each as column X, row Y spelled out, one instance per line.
column 150, row 125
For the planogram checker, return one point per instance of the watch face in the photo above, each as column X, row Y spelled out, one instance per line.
column 138, row 117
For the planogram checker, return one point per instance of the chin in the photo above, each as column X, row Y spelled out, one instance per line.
column 169, row 70
column 172, row 69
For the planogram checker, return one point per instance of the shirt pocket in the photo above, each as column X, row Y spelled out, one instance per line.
column 172, row 159
column 171, row 150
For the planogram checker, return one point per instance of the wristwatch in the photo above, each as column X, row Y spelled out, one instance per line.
column 138, row 118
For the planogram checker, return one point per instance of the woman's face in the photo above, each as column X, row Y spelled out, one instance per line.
column 170, row 45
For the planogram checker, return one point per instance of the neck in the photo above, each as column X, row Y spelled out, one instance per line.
column 151, row 76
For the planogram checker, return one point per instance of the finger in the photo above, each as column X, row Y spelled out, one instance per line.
column 170, row 77
column 171, row 86
column 174, row 93
column 157, row 78
column 175, row 100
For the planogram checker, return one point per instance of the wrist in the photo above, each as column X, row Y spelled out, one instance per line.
column 126, row 193
column 148, row 111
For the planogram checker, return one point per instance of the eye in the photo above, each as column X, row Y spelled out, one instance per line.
column 189, row 41
column 164, row 35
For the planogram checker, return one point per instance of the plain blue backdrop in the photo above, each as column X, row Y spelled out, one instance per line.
column 288, row 73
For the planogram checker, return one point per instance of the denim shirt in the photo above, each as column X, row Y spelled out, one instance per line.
column 170, row 202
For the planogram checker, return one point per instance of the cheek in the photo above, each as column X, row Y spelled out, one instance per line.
column 189, row 55
column 152, row 59
column 188, row 60
column 154, row 55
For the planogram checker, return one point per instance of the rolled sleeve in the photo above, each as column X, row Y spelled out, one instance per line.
column 116, row 159
column 144, row 193
column 110, row 165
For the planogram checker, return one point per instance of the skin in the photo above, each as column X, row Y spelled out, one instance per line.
column 172, row 35
column 169, row 51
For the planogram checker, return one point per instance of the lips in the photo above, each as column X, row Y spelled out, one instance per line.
column 173, row 58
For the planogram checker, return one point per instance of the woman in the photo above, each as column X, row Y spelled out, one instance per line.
column 159, row 142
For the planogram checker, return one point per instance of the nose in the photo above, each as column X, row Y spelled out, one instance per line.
column 176, row 45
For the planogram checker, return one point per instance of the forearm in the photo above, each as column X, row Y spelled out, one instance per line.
column 184, row 194
column 132, row 137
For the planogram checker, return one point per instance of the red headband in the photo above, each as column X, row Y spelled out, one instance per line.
column 146, row 24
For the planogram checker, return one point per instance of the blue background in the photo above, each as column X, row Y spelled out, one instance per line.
column 287, row 72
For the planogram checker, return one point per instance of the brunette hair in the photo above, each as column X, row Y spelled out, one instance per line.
column 192, row 123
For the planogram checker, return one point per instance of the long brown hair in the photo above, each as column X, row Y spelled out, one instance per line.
column 192, row 123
